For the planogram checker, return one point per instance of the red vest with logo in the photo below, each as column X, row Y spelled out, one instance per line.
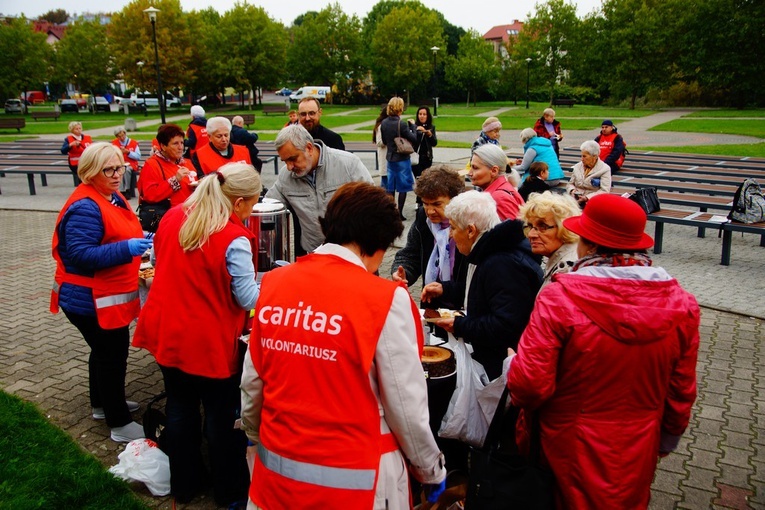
column 115, row 289
column 132, row 145
column 191, row 320
column 606, row 143
column 76, row 151
column 153, row 186
column 202, row 138
column 210, row 160
column 313, row 341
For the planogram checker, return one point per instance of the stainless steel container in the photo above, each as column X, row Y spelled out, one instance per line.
column 270, row 223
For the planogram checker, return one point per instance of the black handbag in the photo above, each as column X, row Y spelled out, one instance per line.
column 647, row 198
column 150, row 214
column 511, row 482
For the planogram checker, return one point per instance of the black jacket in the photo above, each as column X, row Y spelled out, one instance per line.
column 329, row 137
column 240, row 136
column 532, row 185
column 501, row 294
column 389, row 129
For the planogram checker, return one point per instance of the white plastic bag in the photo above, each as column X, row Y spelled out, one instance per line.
column 464, row 419
column 143, row 461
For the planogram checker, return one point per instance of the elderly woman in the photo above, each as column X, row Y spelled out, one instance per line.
column 547, row 127
column 196, row 135
column 97, row 244
column 500, row 291
column 219, row 151
column 489, row 133
column 131, row 152
column 487, row 172
column 74, row 145
column 536, row 148
column 591, row 176
column 167, row 178
column 608, row 363
column 400, row 177
column 543, row 217
column 191, row 323
column 430, row 252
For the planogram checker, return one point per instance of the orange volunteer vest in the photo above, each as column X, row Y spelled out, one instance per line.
column 210, row 160
column 76, row 152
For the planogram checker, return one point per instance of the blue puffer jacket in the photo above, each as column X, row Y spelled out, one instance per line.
column 80, row 234
column 546, row 154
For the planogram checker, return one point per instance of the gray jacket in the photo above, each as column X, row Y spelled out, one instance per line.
column 307, row 198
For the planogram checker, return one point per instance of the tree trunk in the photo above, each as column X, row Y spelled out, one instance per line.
column 633, row 99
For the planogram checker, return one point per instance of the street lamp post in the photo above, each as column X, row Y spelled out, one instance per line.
column 152, row 12
column 435, row 49
column 140, row 65
column 528, row 70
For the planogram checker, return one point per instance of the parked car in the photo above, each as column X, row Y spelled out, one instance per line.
column 211, row 100
column 14, row 106
column 69, row 105
column 99, row 103
column 33, row 97
column 284, row 91
column 151, row 99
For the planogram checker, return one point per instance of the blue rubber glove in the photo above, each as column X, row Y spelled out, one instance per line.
column 138, row 246
column 433, row 491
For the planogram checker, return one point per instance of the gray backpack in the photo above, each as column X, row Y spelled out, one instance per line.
column 748, row 203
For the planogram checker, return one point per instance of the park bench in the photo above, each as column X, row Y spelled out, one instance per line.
column 247, row 118
column 45, row 115
column 564, row 102
column 13, row 123
column 275, row 108
column 31, row 171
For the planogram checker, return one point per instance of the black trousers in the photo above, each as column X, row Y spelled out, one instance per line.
column 220, row 399
column 107, row 366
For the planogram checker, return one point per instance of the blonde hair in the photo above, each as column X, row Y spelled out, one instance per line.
column 559, row 206
column 548, row 111
column 395, row 106
column 73, row 124
column 210, row 206
column 95, row 157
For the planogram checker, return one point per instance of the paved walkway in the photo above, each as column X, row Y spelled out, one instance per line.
column 721, row 460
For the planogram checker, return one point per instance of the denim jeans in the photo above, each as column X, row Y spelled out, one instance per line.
column 220, row 399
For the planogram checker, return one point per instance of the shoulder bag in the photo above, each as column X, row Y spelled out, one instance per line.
column 647, row 198
column 403, row 146
column 510, row 482
column 150, row 214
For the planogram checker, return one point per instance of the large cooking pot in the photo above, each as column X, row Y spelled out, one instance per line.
column 270, row 223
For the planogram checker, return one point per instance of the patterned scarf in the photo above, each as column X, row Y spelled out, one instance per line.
column 614, row 260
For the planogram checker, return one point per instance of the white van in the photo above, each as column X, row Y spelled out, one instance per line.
column 151, row 99
column 319, row 93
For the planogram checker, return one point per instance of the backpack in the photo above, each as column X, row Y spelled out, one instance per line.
column 748, row 203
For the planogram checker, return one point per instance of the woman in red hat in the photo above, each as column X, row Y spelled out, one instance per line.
column 608, row 363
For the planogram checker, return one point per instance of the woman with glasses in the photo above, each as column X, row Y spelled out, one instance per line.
column 502, row 280
column 542, row 218
column 97, row 245
column 591, row 176
column 167, row 178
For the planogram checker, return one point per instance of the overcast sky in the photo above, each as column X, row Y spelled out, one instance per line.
column 481, row 16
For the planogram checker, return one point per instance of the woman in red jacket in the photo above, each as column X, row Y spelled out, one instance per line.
column 608, row 363
column 196, row 310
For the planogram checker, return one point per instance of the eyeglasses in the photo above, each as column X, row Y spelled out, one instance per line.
column 541, row 228
column 308, row 114
column 111, row 171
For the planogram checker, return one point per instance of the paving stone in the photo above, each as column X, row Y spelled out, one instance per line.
column 696, row 499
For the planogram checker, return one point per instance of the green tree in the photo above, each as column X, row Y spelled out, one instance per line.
column 402, row 59
column 475, row 66
column 547, row 38
column 130, row 40
column 255, row 48
column 211, row 73
column 24, row 58
column 83, row 57
column 55, row 16
column 326, row 49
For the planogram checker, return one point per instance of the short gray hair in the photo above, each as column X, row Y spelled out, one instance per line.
column 473, row 208
column 492, row 155
column 217, row 124
column 119, row 129
column 296, row 134
column 591, row 147
column 527, row 134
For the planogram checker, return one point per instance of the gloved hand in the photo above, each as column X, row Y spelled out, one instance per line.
column 433, row 491
column 138, row 246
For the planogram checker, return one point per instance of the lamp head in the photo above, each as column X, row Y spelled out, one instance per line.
column 140, row 63
column 434, row 49
column 152, row 12
column 528, row 60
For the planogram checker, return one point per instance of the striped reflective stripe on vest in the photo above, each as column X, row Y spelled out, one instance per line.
column 324, row 476
column 116, row 299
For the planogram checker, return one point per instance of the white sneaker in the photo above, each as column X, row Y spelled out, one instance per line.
column 98, row 412
column 128, row 432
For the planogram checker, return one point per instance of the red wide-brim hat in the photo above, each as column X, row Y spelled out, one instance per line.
column 613, row 222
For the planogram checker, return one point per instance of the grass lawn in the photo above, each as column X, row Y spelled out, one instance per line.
column 755, row 127
column 41, row 467
column 729, row 113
